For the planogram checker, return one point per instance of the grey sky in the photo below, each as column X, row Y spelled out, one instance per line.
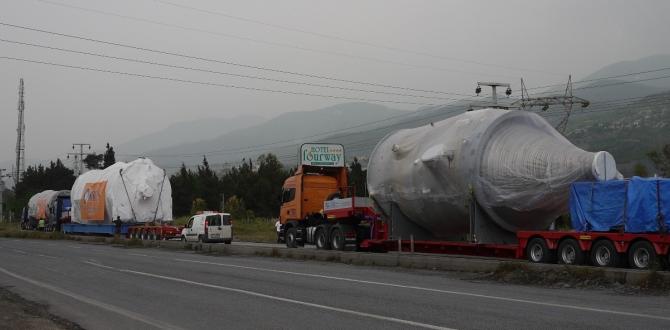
column 550, row 39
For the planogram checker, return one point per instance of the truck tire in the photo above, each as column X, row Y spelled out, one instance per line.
column 569, row 253
column 200, row 239
column 604, row 254
column 337, row 239
column 291, row 237
column 321, row 239
column 642, row 255
column 538, row 251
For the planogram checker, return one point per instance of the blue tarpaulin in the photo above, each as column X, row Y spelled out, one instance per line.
column 597, row 206
column 638, row 205
column 648, row 205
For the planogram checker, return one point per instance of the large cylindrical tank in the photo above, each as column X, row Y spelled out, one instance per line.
column 135, row 192
column 513, row 163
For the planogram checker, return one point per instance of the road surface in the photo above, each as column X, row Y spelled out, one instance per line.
column 105, row 287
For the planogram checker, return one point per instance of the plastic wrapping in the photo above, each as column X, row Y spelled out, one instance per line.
column 135, row 192
column 515, row 165
column 43, row 205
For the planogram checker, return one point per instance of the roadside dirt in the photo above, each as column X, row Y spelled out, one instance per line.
column 19, row 313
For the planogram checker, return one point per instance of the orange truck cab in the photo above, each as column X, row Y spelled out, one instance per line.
column 321, row 176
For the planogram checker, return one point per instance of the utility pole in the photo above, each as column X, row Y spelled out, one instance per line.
column 2, row 194
column 20, row 139
column 78, row 157
column 494, row 94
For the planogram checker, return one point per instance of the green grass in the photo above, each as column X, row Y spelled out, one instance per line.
column 11, row 230
column 255, row 230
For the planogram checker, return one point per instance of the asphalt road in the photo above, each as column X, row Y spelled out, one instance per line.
column 105, row 287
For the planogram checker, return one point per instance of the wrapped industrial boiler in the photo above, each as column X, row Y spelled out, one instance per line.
column 481, row 175
column 134, row 192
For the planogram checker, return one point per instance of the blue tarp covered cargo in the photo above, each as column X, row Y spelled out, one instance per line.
column 638, row 205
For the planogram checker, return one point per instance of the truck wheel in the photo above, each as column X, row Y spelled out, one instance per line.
column 321, row 240
column 642, row 255
column 569, row 253
column 538, row 251
column 603, row 254
column 291, row 237
column 200, row 239
column 337, row 239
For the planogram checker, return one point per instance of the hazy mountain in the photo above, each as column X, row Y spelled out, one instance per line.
column 288, row 130
column 650, row 63
column 187, row 132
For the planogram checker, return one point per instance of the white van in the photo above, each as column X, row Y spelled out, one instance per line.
column 208, row 227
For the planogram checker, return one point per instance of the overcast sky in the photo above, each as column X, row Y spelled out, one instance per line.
column 461, row 42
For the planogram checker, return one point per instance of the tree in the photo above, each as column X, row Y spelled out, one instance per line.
column 183, row 191
column 198, row 205
column 208, row 186
column 661, row 160
column 39, row 178
column 357, row 178
column 640, row 170
column 93, row 161
column 108, row 158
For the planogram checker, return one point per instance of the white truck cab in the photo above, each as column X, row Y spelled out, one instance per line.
column 208, row 227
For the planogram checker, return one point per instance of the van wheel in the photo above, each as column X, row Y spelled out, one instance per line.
column 603, row 254
column 538, row 251
column 642, row 255
column 321, row 240
column 337, row 239
column 291, row 237
column 569, row 253
column 228, row 241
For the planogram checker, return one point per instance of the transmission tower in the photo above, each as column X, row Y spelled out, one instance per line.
column 20, row 139
column 566, row 100
column 494, row 94
column 78, row 157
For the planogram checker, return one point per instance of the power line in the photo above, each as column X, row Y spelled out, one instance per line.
column 255, row 67
column 279, row 44
column 207, row 83
column 603, row 78
column 217, row 72
column 334, row 37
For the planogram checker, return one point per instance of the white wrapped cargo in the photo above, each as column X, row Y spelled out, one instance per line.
column 515, row 166
column 134, row 192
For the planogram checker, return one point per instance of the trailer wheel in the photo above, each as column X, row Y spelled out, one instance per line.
column 183, row 238
column 152, row 236
column 569, row 253
column 538, row 251
column 603, row 254
column 337, row 239
column 321, row 240
column 642, row 255
column 291, row 237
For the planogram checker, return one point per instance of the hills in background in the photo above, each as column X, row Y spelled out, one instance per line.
column 627, row 119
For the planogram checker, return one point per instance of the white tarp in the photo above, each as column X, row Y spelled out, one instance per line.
column 138, row 191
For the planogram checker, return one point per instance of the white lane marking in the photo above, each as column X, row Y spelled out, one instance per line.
column 75, row 247
column 19, row 251
column 46, row 256
column 138, row 254
column 132, row 315
column 460, row 293
column 285, row 300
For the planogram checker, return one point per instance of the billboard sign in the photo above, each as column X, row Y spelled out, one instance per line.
column 322, row 154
